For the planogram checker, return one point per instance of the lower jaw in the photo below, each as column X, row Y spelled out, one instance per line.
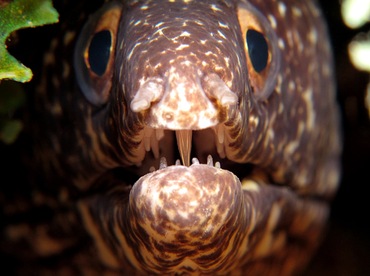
column 180, row 213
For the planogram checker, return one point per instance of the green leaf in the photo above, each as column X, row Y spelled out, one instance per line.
column 16, row 15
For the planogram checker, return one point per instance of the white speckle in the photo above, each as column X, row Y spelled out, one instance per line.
column 281, row 44
column 272, row 21
column 215, row 8
column 221, row 34
column 144, row 7
column 282, row 9
column 307, row 96
column 185, row 34
column 250, row 185
column 227, row 61
column 312, row 36
column 133, row 49
column 198, row 22
column 253, row 121
column 279, row 80
column 291, row 86
column 182, row 46
column 222, row 25
column 296, row 11
column 281, row 108
column 137, row 22
column 290, row 38
column 158, row 24
column 301, row 127
column 218, row 68
column 186, row 63
column 271, row 133
column 291, row 148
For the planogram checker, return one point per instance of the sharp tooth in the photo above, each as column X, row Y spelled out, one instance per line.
column 162, row 163
column 195, row 161
column 220, row 134
column 183, row 138
column 155, row 146
column 159, row 133
column 147, row 136
column 220, row 140
column 209, row 160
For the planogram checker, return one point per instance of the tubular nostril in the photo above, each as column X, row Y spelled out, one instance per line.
column 150, row 91
column 218, row 90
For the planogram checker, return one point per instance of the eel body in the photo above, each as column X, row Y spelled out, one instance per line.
column 180, row 137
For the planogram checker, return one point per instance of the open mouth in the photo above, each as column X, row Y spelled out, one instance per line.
column 165, row 147
column 211, row 140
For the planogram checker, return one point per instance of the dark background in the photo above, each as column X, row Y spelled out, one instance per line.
column 346, row 248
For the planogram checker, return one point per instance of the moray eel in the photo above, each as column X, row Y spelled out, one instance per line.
column 183, row 137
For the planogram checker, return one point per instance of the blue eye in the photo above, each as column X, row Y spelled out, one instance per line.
column 257, row 50
column 99, row 52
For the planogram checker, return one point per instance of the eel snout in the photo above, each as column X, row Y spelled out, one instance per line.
column 187, row 217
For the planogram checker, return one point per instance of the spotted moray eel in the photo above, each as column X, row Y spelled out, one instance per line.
column 242, row 92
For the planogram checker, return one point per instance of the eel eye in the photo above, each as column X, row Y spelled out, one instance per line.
column 94, row 53
column 261, row 50
column 258, row 50
column 100, row 51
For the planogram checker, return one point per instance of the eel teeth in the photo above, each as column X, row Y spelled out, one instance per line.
column 220, row 140
column 184, row 138
column 195, row 161
column 210, row 163
column 147, row 138
column 209, row 160
column 162, row 163
column 151, row 140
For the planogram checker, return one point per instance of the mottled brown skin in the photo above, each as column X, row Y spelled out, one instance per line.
column 265, row 217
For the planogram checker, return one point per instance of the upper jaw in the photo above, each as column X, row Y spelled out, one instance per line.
column 183, row 101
